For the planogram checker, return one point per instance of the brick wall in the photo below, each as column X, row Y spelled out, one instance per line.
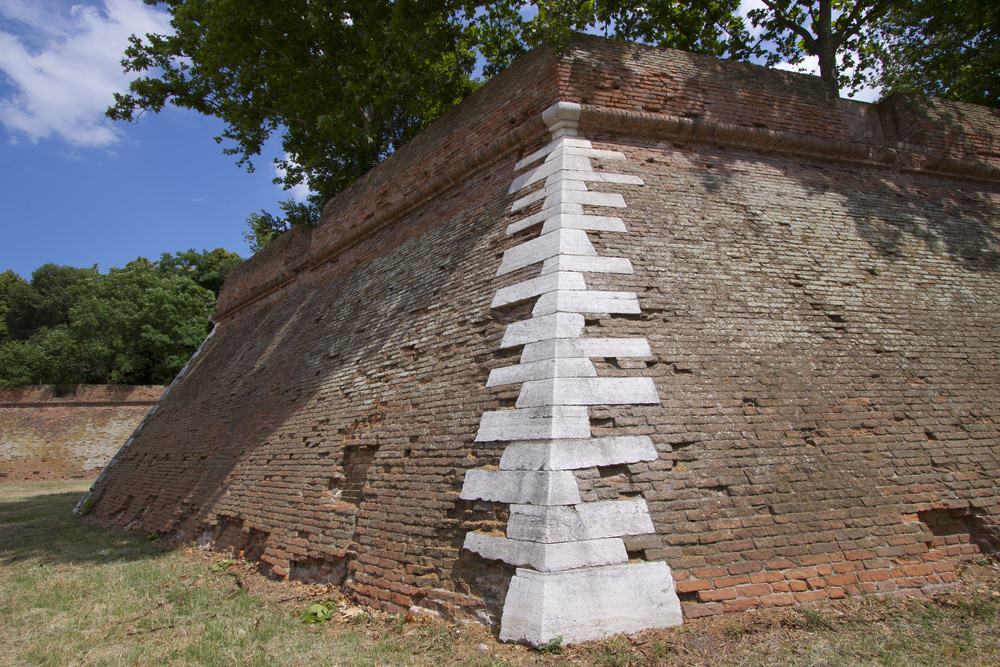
column 827, row 344
column 67, row 433
column 821, row 305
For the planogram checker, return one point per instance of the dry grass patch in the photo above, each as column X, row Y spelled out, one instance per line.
column 72, row 592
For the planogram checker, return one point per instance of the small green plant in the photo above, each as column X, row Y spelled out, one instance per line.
column 733, row 630
column 814, row 620
column 398, row 622
column 552, row 647
column 319, row 612
column 615, row 652
column 222, row 565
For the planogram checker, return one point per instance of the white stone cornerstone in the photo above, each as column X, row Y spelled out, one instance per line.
column 574, row 579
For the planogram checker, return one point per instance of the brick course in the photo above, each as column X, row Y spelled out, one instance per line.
column 818, row 286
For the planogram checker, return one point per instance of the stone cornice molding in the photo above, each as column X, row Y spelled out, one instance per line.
column 903, row 158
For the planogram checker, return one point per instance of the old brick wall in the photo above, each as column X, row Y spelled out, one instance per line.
column 67, row 433
column 827, row 346
column 329, row 423
column 334, row 420
column 822, row 313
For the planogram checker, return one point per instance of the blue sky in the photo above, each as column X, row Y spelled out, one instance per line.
column 80, row 190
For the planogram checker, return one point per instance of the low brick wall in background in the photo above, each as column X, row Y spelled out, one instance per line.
column 49, row 432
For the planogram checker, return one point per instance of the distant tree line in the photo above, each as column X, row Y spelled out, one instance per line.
column 137, row 324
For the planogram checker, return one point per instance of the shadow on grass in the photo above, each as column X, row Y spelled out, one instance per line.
column 42, row 529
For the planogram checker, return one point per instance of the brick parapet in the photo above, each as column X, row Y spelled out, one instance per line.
column 635, row 90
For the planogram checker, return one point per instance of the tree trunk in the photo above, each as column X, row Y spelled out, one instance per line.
column 826, row 50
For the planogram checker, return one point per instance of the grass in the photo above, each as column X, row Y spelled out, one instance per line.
column 75, row 593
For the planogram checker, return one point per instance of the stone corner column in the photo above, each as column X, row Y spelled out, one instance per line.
column 574, row 579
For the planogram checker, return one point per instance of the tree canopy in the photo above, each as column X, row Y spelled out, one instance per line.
column 947, row 48
column 345, row 82
column 7, row 280
column 45, row 302
column 134, row 325
column 207, row 268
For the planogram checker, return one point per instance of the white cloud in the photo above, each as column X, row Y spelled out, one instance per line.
column 300, row 192
column 809, row 65
column 63, row 66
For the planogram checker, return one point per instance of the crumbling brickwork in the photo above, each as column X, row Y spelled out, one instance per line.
column 49, row 432
column 820, row 296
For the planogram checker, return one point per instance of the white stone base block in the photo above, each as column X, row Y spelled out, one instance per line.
column 591, row 603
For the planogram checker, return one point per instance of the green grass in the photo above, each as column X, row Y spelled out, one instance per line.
column 75, row 593
column 72, row 592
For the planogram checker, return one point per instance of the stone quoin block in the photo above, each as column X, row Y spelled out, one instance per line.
column 546, row 327
column 519, row 486
column 565, row 162
column 552, row 282
column 560, row 242
column 551, row 147
column 586, row 521
column 587, row 264
column 597, row 223
column 585, row 151
column 543, row 215
column 559, row 348
column 588, row 391
column 564, row 195
column 555, row 421
column 586, row 301
column 539, row 370
column 576, row 454
column 547, row 557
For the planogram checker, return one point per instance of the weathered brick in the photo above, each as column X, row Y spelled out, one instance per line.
column 823, row 316
column 58, row 433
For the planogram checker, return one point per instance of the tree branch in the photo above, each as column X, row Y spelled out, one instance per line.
column 783, row 20
column 854, row 20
